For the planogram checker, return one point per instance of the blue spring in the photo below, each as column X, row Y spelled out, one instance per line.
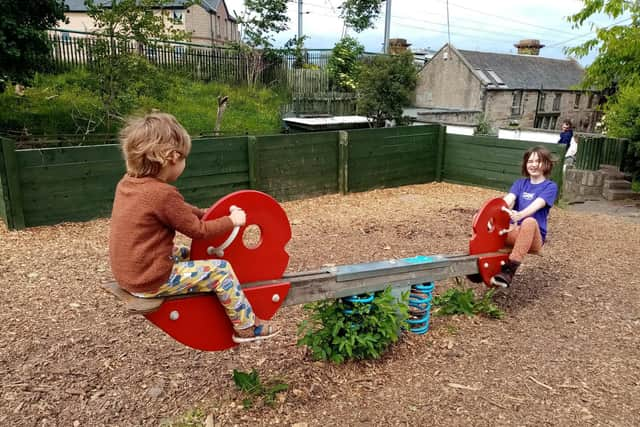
column 357, row 299
column 420, row 307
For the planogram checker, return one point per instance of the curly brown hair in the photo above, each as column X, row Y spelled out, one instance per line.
column 147, row 143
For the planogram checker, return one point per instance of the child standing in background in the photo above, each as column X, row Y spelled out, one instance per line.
column 566, row 134
column 147, row 212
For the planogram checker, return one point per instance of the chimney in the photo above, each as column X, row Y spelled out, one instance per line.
column 397, row 46
column 529, row 47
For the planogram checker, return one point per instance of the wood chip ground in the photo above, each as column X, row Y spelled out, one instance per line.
column 567, row 352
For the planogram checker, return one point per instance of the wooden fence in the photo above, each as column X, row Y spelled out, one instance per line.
column 40, row 186
column 491, row 162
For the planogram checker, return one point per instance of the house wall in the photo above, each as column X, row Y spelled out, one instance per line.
column 498, row 108
column 499, row 103
column 197, row 21
column 448, row 83
column 77, row 22
column 204, row 26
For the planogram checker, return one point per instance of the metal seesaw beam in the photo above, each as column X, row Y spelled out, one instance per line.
column 346, row 280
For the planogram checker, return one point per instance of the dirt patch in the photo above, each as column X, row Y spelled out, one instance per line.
column 565, row 354
column 627, row 209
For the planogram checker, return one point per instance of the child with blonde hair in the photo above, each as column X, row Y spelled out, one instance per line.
column 147, row 212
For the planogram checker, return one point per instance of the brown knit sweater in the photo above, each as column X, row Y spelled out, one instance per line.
column 146, row 214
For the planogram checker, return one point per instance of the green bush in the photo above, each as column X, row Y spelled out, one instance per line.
column 385, row 85
column 365, row 333
column 343, row 64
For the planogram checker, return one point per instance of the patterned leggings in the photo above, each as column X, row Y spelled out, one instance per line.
column 213, row 275
column 524, row 239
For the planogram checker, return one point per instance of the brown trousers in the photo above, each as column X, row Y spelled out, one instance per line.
column 524, row 239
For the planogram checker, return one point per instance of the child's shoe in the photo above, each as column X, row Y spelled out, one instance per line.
column 505, row 277
column 254, row 333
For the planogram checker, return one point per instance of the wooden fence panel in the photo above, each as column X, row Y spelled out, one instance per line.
column 295, row 166
column 68, row 183
column 78, row 183
column 491, row 162
column 391, row 157
column 215, row 168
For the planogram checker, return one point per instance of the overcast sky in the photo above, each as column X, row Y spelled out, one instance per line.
column 484, row 25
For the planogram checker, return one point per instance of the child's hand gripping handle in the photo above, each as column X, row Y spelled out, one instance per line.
column 511, row 226
column 238, row 218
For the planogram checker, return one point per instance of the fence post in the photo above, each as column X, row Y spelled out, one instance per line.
column 343, row 162
column 10, row 181
column 442, row 133
column 252, row 157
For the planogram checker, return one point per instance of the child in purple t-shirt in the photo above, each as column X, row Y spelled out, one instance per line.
column 529, row 200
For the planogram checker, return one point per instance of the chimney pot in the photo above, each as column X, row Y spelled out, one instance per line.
column 529, row 47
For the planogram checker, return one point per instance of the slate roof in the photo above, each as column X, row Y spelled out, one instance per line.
column 505, row 71
column 78, row 5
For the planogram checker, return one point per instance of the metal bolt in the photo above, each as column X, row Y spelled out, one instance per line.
column 486, row 265
column 275, row 298
column 174, row 315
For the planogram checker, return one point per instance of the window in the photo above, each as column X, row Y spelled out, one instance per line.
column 538, row 123
column 483, row 76
column 545, row 122
column 576, row 101
column 516, row 101
column 542, row 101
column 556, row 102
column 178, row 16
column 592, row 101
column 554, row 121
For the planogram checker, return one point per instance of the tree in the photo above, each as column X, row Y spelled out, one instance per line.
column 616, row 69
column 385, row 85
column 24, row 45
column 260, row 21
column 123, row 31
column 360, row 14
column 343, row 63
column 618, row 60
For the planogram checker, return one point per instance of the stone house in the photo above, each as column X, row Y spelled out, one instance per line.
column 524, row 90
column 209, row 22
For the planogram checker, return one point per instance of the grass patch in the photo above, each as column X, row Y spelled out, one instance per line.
column 67, row 104
column 635, row 186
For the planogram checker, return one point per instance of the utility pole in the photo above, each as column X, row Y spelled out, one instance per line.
column 299, row 19
column 387, row 26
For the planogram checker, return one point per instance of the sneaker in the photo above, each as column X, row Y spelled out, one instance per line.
column 254, row 333
column 505, row 277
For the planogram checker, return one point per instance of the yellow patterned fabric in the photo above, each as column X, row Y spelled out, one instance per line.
column 213, row 275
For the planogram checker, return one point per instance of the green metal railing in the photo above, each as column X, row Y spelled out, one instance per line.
column 594, row 151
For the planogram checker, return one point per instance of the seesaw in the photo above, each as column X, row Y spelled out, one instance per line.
column 199, row 321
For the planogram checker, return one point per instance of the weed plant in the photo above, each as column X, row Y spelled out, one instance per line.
column 338, row 331
column 463, row 301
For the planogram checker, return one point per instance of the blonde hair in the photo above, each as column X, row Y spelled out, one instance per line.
column 148, row 141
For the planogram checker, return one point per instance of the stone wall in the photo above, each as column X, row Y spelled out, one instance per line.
column 606, row 183
column 582, row 185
